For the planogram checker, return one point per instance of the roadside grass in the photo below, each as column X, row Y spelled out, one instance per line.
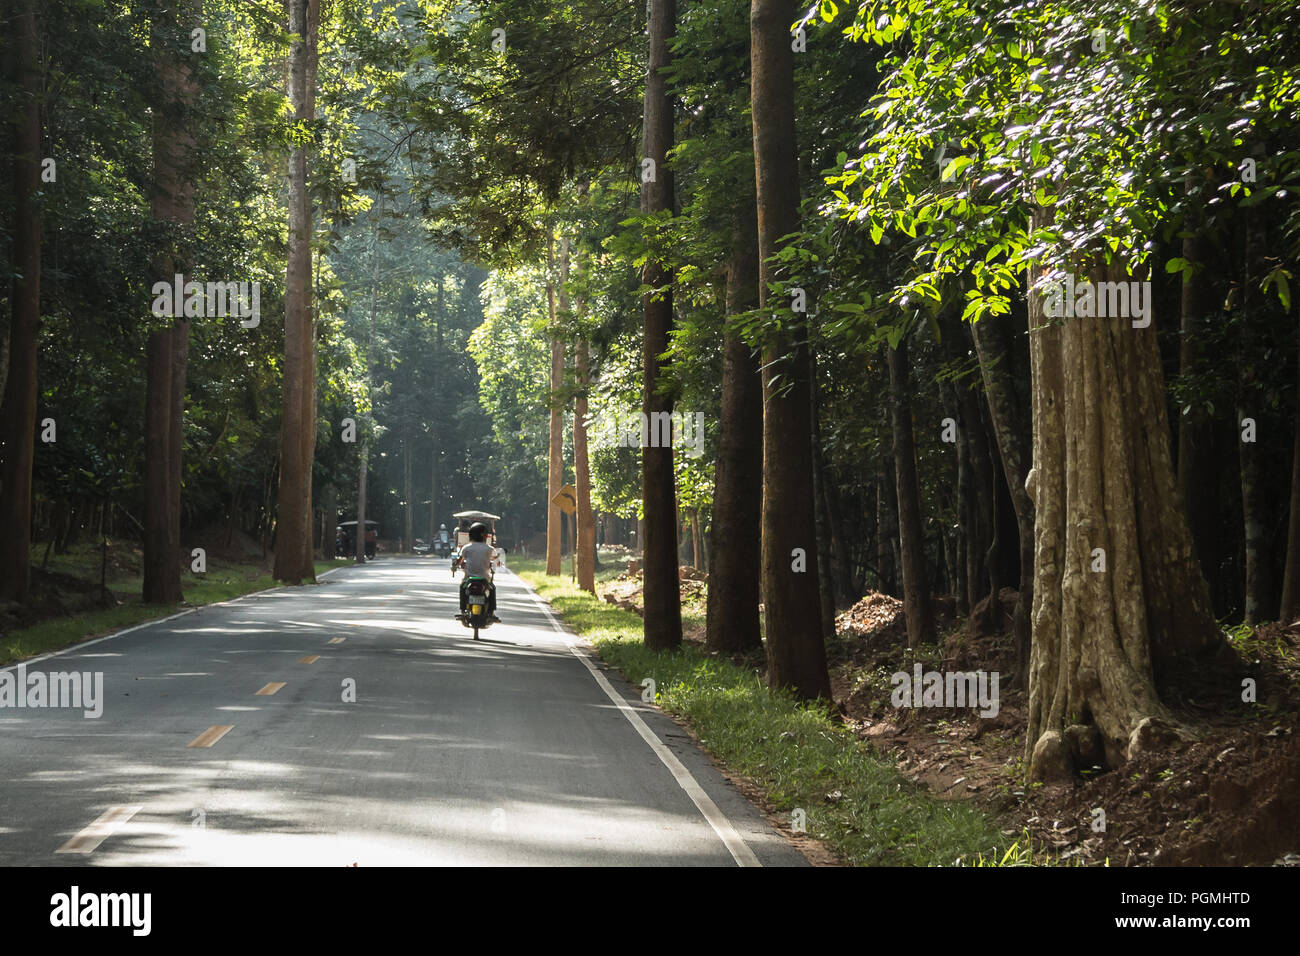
column 607, row 571
column 222, row 582
column 855, row 802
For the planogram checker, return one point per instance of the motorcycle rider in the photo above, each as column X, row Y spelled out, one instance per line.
column 477, row 559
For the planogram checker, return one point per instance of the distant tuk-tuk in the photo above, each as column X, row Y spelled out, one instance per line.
column 466, row 518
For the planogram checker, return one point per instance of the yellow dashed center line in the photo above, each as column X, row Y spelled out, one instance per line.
column 105, row 825
column 309, row 659
column 211, row 735
column 269, row 689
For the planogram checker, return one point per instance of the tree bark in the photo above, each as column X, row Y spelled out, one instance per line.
column 555, row 470
column 731, row 618
column 329, row 531
column 586, row 543
column 18, row 421
column 364, row 464
column 916, row 588
column 408, row 491
column 1255, row 512
column 887, row 557
column 663, row 611
column 1009, row 430
column 1290, row 608
column 434, row 450
column 363, row 472
column 980, row 501
column 297, row 430
column 825, row 585
column 1197, row 462
column 796, row 652
column 434, row 523
column 1103, row 479
column 167, row 350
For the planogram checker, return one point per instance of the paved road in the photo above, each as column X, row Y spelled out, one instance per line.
column 504, row 751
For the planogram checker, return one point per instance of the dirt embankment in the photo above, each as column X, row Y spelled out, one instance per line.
column 1231, row 797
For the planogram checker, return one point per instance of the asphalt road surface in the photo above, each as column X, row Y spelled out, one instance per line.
column 516, row 749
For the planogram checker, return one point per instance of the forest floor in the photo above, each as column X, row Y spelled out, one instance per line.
column 1229, row 797
column 68, row 605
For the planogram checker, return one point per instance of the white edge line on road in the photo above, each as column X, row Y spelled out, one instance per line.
column 723, row 827
column 161, row 620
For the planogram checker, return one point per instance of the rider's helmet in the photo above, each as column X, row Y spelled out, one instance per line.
column 478, row 531
column 442, row 527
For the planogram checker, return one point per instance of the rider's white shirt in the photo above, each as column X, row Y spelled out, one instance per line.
column 477, row 559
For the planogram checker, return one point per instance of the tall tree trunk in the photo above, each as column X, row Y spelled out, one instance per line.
column 1198, row 476
column 434, row 523
column 364, row 465
column 826, row 587
column 297, row 430
column 1255, row 511
column 697, row 542
column 887, row 557
column 329, row 531
column 1009, row 429
column 1290, row 608
column 363, row 472
column 796, row 652
column 167, row 350
column 842, row 569
column 1103, row 487
column 18, row 413
column 408, row 490
column 555, row 471
column 976, row 455
column 586, row 543
column 435, row 451
column 958, row 542
column 731, row 618
column 663, row 610
column 916, row 589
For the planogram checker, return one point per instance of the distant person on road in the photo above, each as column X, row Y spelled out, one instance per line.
column 476, row 558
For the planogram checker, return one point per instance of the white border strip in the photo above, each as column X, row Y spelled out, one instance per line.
column 723, row 827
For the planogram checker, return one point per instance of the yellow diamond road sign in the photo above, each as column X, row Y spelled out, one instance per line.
column 566, row 499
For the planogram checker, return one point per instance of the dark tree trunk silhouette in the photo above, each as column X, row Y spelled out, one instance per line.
column 18, row 414
column 1010, row 430
column 293, row 557
column 735, row 566
column 916, row 587
column 663, row 610
column 167, row 350
column 796, row 651
column 555, row 466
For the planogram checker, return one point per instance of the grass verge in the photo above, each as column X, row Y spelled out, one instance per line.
column 855, row 802
column 222, row 582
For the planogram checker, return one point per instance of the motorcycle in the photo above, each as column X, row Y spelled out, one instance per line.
column 476, row 613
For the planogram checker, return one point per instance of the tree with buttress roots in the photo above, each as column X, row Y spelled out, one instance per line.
column 1030, row 157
